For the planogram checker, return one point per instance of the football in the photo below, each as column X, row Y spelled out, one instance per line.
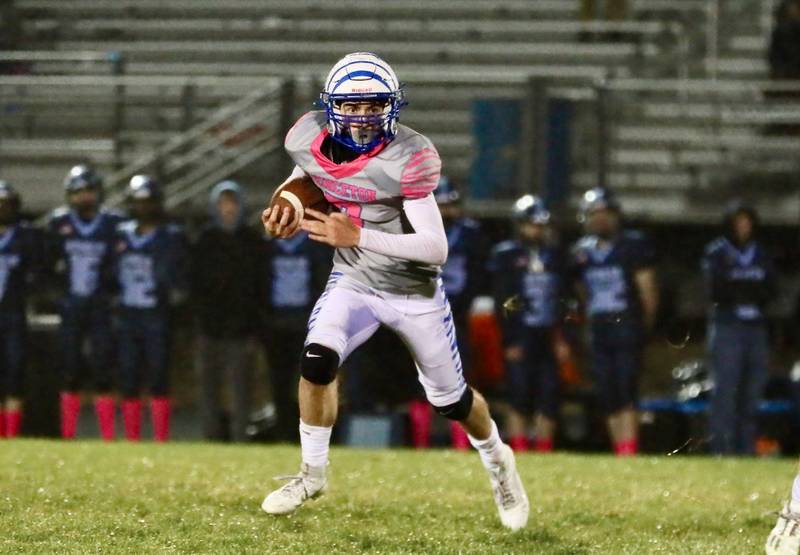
column 299, row 194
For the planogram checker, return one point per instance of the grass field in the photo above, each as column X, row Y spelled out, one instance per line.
column 87, row 497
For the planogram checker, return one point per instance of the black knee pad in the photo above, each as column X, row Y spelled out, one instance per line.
column 460, row 409
column 318, row 364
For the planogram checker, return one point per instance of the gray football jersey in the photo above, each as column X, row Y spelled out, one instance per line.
column 371, row 189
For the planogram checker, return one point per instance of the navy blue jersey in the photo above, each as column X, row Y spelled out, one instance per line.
column 607, row 271
column 20, row 256
column 533, row 275
column 462, row 273
column 151, row 269
column 740, row 281
column 296, row 271
column 86, row 249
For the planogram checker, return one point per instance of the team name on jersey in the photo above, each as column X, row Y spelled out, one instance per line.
column 753, row 273
column 346, row 190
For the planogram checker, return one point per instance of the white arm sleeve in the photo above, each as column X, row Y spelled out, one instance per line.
column 428, row 242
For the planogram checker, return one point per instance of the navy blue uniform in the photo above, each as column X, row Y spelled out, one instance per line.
column 85, row 250
column 614, row 309
column 534, row 277
column 740, row 283
column 463, row 272
column 295, row 273
column 20, row 255
column 151, row 275
column 463, row 275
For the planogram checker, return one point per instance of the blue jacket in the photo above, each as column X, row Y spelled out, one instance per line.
column 740, row 281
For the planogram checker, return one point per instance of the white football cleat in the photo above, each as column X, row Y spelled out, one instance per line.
column 509, row 493
column 785, row 537
column 310, row 483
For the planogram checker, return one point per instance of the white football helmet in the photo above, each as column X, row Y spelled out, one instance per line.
column 362, row 77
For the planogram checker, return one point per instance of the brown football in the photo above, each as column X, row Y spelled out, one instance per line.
column 298, row 194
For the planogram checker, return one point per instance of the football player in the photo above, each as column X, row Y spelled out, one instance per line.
column 741, row 281
column 151, row 263
column 785, row 537
column 527, row 283
column 390, row 245
column 462, row 276
column 20, row 256
column 614, row 270
column 80, row 238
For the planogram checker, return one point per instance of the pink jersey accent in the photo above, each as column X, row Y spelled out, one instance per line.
column 346, row 169
column 352, row 209
column 421, row 175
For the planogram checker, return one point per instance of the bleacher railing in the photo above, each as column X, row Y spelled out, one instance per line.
column 228, row 140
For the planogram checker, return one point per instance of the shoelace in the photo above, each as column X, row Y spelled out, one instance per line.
column 294, row 480
column 502, row 490
column 793, row 520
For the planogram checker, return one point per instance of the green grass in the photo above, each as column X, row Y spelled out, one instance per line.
column 87, row 497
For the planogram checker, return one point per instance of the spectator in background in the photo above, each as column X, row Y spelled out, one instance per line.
column 613, row 10
column 784, row 60
column 151, row 270
column 784, row 48
column 80, row 239
column 615, row 274
column 527, row 281
column 20, row 255
column 741, row 281
column 462, row 277
column 226, row 284
column 10, row 34
column 295, row 273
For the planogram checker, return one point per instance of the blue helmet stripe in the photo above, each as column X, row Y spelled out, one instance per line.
column 388, row 72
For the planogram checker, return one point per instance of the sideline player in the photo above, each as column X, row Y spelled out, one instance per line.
column 530, row 268
column 20, row 256
column 741, row 281
column 152, row 260
column 390, row 244
column 785, row 537
column 615, row 268
column 80, row 238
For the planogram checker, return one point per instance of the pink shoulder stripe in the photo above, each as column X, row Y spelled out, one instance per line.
column 421, row 156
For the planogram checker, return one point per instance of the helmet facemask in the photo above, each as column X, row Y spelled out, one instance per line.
column 359, row 131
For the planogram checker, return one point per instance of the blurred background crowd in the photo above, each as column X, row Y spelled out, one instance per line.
column 621, row 200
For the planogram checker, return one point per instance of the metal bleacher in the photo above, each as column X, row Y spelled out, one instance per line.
column 449, row 52
column 667, row 139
